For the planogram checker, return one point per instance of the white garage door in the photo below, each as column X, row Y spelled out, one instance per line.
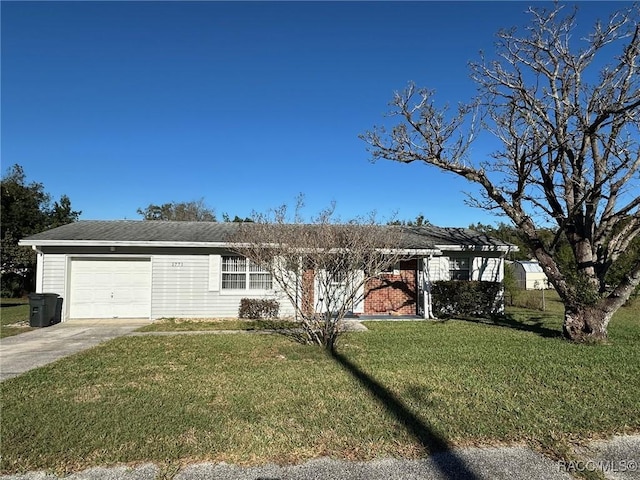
column 110, row 288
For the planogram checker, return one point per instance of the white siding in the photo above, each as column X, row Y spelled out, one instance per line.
column 487, row 269
column 444, row 268
column 215, row 266
column 53, row 277
column 437, row 268
column 181, row 288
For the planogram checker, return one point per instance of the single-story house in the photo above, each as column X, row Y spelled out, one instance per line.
column 156, row 269
column 529, row 275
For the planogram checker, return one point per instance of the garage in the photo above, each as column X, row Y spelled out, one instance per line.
column 110, row 288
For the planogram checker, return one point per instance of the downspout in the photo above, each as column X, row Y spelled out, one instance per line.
column 39, row 269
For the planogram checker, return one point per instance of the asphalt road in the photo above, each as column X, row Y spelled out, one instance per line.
column 617, row 458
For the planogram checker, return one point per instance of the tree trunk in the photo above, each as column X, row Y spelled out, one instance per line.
column 586, row 324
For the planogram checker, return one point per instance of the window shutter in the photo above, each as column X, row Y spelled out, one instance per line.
column 214, row 273
column 476, row 268
column 359, row 299
column 444, row 269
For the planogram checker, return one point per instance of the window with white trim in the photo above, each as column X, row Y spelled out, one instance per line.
column 238, row 273
column 339, row 277
column 459, row 268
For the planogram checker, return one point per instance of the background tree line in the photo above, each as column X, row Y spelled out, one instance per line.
column 191, row 211
column 26, row 209
column 563, row 252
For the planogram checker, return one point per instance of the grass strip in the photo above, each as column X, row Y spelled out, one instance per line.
column 14, row 316
column 181, row 325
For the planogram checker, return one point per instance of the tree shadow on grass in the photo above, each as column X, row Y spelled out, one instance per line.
column 450, row 465
column 534, row 324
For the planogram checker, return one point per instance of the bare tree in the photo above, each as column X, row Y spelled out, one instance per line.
column 321, row 267
column 570, row 156
column 193, row 211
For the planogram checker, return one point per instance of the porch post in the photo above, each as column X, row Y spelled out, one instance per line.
column 426, row 288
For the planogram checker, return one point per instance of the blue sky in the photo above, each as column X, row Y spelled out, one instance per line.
column 244, row 104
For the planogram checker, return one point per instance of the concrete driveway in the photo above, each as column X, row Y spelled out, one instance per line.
column 21, row 353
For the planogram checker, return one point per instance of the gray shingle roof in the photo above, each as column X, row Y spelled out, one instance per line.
column 137, row 231
column 104, row 231
column 414, row 237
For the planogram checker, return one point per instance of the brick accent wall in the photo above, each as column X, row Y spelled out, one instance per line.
column 393, row 294
column 308, row 291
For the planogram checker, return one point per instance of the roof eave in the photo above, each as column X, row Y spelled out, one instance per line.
column 479, row 248
column 118, row 243
column 412, row 251
column 437, row 250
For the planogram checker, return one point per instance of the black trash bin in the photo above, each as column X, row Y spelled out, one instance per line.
column 42, row 308
column 57, row 316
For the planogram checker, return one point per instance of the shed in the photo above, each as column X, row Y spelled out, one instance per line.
column 529, row 275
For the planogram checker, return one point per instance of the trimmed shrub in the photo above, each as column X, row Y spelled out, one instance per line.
column 474, row 298
column 256, row 308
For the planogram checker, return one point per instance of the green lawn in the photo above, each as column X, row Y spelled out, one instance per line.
column 400, row 389
column 13, row 311
column 177, row 325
